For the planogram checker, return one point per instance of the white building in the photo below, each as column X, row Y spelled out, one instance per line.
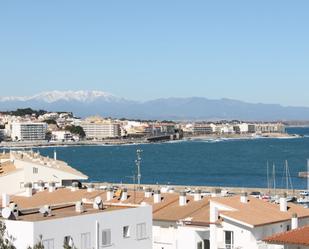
column 21, row 167
column 28, row 131
column 244, row 222
column 101, row 130
column 87, row 224
column 62, row 136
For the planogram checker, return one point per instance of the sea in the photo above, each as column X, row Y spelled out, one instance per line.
column 219, row 162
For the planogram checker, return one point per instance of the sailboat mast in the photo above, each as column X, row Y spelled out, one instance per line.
column 308, row 174
column 268, row 185
column 274, row 178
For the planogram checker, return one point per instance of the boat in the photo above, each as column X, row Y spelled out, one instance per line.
column 304, row 174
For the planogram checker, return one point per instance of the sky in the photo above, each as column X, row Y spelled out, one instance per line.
column 256, row 51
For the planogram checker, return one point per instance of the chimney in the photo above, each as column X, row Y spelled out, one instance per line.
column 74, row 186
column 124, row 194
column 55, row 155
column 182, row 198
column 148, row 193
column 283, row 203
column 51, row 187
column 109, row 194
column 216, row 193
column 41, row 186
column 28, row 189
column 90, row 187
column 157, row 196
column 294, row 221
column 197, row 195
column 79, row 207
column 5, row 200
column 244, row 197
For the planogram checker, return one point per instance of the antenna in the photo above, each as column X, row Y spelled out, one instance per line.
column 138, row 166
column 308, row 174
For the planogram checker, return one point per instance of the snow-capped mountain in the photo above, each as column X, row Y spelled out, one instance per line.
column 86, row 103
column 54, row 96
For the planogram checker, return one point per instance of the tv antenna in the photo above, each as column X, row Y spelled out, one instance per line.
column 138, row 166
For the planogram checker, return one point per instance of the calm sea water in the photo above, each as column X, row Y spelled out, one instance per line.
column 239, row 163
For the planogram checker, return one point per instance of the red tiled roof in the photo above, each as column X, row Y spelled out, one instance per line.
column 298, row 236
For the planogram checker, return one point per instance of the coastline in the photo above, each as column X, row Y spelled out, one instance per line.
column 115, row 142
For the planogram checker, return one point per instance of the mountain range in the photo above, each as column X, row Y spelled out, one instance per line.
column 86, row 103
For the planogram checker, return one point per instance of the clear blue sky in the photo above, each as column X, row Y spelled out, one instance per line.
column 256, row 51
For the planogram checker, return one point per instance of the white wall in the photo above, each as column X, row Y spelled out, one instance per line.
column 12, row 182
column 28, row 233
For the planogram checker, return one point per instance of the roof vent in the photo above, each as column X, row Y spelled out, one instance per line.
column 182, row 198
column 294, row 221
column 197, row 195
column 283, row 203
column 98, row 203
column 79, row 207
column 41, row 186
column 28, row 189
column 124, row 194
column 157, row 196
column 5, row 200
column 110, row 194
column 244, row 197
column 45, row 210
column 51, row 187
column 148, row 192
column 74, row 186
column 90, row 187
column 14, row 208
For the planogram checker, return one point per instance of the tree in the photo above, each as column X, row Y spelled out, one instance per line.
column 76, row 130
column 6, row 240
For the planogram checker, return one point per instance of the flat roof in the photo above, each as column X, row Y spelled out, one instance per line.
column 65, row 211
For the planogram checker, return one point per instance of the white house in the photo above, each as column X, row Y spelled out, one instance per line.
column 20, row 167
column 243, row 222
column 86, row 224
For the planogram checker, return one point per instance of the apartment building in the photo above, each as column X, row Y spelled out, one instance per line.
column 19, row 168
column 101, row 130
column 28, row 131
column 83, row 224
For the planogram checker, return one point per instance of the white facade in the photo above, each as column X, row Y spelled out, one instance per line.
column 28, row 131
column 29, row 167
column 98, row 230
column 62, row 136
column 232, row 233
column 177, row 236
column 101, row 130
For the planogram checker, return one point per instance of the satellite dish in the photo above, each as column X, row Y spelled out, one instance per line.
column 6, row 212
column 98, row 200
column 45, row 210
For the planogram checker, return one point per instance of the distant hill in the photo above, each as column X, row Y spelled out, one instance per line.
column 85, row 103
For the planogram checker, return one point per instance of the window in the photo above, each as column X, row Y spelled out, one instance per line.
column 141, row 231
column 106, row 237
column 85, row 241
column 229, row 239
column 126, row 231
column 199, row 245
column 206, row 244
column 288, row 228
column 48, row 243
column 35, row 170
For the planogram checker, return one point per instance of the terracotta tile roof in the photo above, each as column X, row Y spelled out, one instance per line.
column 298, row 236
column 6, row 168
column 67, row 211
column 5, row 156
column 258, row 212
column 167, row 210
column 60, row 196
